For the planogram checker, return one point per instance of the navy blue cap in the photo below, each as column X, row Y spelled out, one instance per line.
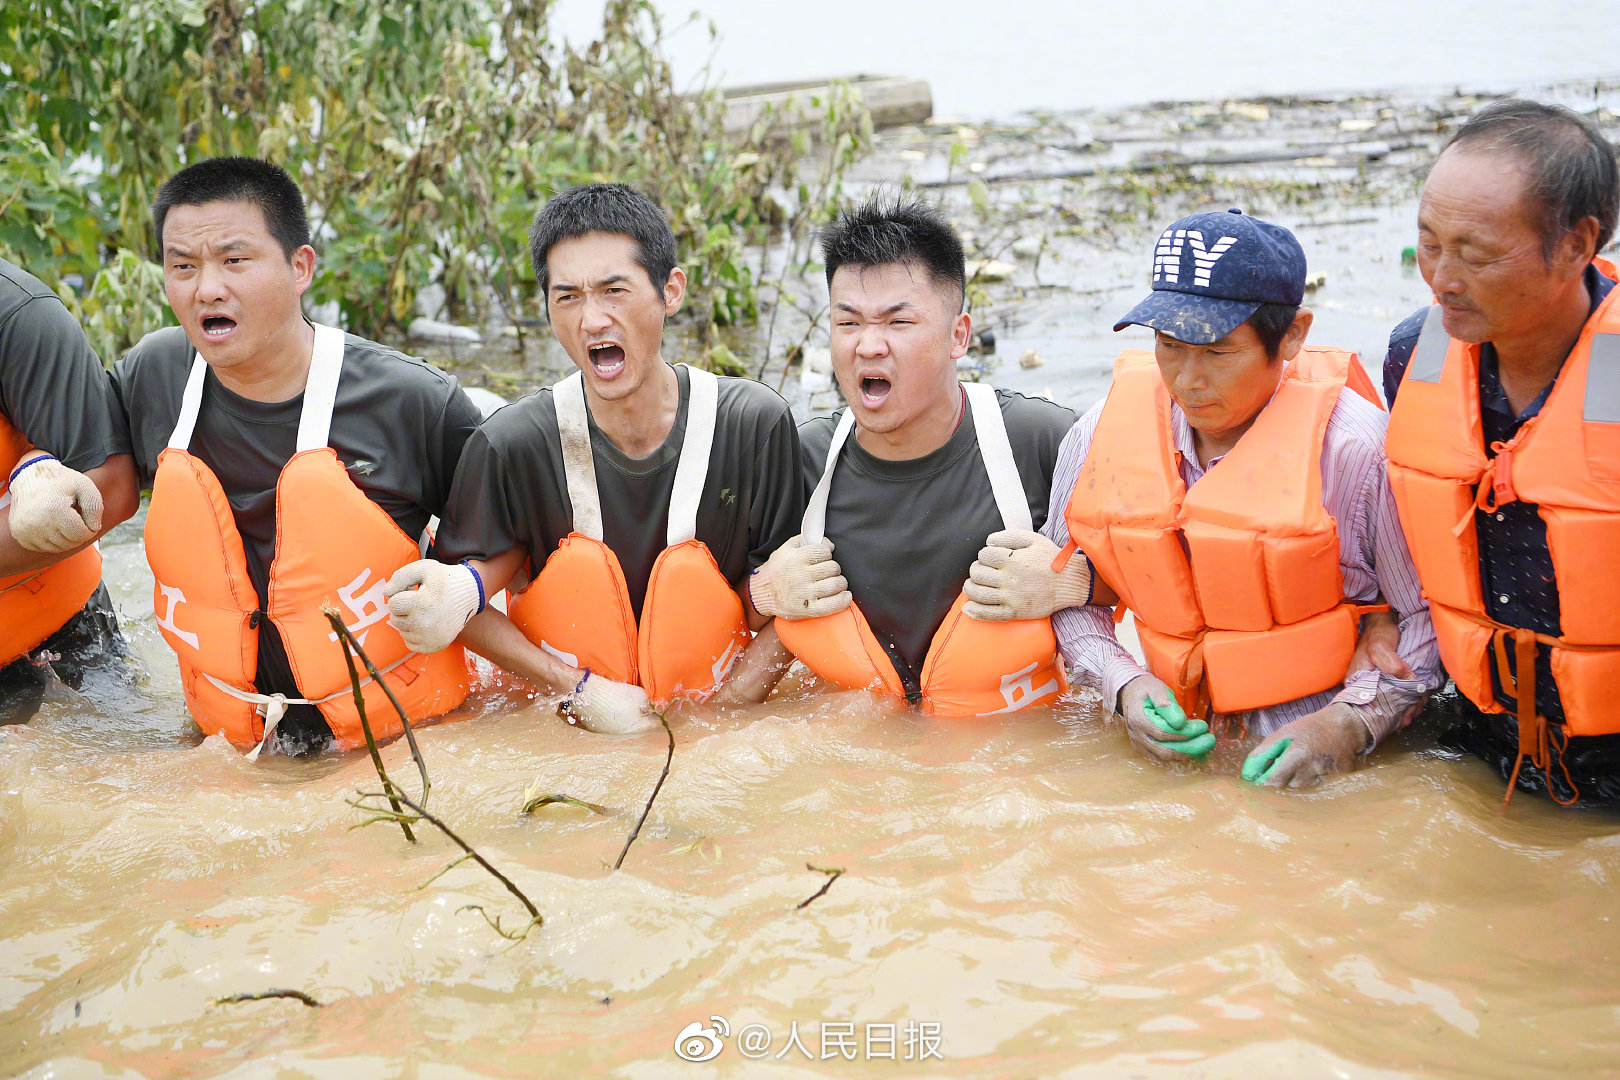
column 1211, row 271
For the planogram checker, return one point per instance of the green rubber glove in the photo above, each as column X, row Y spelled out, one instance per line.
column 1170, row 718
column 1259, row 764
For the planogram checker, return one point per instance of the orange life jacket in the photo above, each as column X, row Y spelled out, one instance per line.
column 35, row 605
column 1236, row 583
column 578, row 607
column 333, row 546
column 972, row 668
column 1566, row 461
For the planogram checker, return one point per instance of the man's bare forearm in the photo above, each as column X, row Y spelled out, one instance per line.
column 497, row 639
column 757, row 671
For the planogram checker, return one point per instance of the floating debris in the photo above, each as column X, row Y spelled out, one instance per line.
column 533, row 801
column 265, row 995
column 833, row 874
column 1031, row 359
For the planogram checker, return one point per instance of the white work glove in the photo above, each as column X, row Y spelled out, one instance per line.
column 53, row 508
column 429, row 602
column 609, row 708
column 1013, row 579
column 800, row 581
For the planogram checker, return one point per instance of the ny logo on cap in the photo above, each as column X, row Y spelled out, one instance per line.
column 1167, row 256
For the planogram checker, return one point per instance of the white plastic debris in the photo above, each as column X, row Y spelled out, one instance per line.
column 442, row 333
column 1028, row 247
column 990, row 270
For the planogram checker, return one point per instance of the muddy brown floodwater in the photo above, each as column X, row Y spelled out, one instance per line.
column 1021, row 896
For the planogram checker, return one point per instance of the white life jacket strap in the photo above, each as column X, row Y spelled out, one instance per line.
column 579, row 464
column 814, row 527
column 320, row 393
column 190, row 403
column 320, row 389
column 996, row 449
column 692, row 471
column 274, row 706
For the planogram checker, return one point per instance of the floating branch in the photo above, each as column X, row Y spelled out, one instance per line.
column 495, row 923
column 833, row 874
column 656, row 788
column 347, row 643
column 296, row 995
column 381, row 814
column 348, row 639
column 537, row 801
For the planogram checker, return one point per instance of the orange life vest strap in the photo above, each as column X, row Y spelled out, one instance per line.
column 1060, row 561
column 1535, row 730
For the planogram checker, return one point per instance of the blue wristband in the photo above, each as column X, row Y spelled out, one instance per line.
column 31, row 461
column 581, row 684
column 483, row 600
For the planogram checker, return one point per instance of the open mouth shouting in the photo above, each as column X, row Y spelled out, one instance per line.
column 874, row 390
column 607, row 359
column 218, row 327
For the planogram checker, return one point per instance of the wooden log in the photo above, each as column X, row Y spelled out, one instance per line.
column 892, row 100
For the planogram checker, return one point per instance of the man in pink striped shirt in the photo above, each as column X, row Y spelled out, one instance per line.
column 1225, row 310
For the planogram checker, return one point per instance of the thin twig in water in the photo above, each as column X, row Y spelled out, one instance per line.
column 457, row 861
column 390, row 791
column 833, row 874
column 656, row 787
column 513, row 936
column 296, row 995
column 342, row 632
column 535, row 918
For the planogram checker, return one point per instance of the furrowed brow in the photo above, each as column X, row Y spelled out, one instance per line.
column 892, row 309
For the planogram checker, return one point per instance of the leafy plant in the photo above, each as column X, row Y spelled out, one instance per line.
column 424, row 134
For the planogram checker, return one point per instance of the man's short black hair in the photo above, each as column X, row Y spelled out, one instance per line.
column 1573, row 171
column 896, row 229
column 1271, row 322
column 609, row 208
column 238, row 179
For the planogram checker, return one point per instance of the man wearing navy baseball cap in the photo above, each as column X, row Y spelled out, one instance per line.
column 1249, row 581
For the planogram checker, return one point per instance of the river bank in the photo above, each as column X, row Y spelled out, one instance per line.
column 1060, row 210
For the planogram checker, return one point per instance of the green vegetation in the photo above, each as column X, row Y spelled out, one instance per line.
column 425, row 135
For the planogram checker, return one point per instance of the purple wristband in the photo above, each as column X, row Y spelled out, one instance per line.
column 31, row 461
column 581, row 684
